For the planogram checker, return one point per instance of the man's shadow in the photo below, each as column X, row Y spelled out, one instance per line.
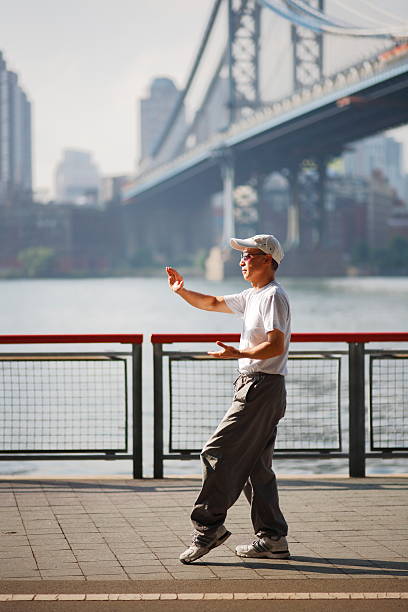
column 318, row 565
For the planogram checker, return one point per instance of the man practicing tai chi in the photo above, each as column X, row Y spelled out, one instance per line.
column 238, row 456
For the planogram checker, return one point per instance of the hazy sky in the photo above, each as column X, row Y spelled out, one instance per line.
column 86, row 63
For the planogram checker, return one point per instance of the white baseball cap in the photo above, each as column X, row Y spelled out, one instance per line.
column 264, row 242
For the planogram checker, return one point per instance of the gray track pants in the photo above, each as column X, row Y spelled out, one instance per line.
column 238, row 456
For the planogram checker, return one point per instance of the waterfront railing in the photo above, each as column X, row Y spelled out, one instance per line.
column 72, row 405
column 347, row 398
column 192, row 392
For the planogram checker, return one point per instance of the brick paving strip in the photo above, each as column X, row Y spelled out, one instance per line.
column 192, row 596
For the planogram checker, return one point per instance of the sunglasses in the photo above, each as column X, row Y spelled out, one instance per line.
column 248, row 256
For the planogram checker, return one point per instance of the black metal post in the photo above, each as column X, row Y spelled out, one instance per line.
column 158, row 410
column 356, row 410
column 137, row 430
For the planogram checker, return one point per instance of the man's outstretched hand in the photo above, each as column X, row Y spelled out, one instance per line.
column 176, row 281
column 227, row 352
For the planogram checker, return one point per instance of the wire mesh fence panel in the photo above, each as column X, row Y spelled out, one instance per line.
column 58, row 405
column 312, row 420
column 389, row 402
column 201, row 392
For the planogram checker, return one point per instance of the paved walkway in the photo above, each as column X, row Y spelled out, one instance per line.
column 60, row 536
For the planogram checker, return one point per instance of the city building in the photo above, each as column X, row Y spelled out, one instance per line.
column 111, row 189
column 377, row 153
column 15, row 140
column 77, row 179
column 154, row 114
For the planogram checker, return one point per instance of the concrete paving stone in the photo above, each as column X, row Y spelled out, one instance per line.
column 57, row 556
column 25, row 563
column 236, row 576
column 116, row 538
column 157, row 576
column 101, row 567
column 15, row 530
column 135, row 560
column 17, row 573
column 171, row 564
column 70, row 510
column 82, row 519
column 43, row 532
column 147, row 569
column 71, row 597
column 7, row 541
column 129, row 548
column 82, row 538
column 40, row 539
column 50, row 563
column 132, row 553
column 50, row 548
column 71, row 569
column 94, row 554
column 72, row 530
column 88, row 547
column 190, row 576
column 17, row 552
column 170, row 551
column 30, row 524
column 106, row 577
column 37, row 514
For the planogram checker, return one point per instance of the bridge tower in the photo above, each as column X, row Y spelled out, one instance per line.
column 307, row 177
column 243, row 54
column 243, row 79
column 307, row 52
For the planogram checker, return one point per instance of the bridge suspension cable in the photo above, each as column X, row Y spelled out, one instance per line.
column 381, row 10
column 365, row 16
column 301, row 14
column 334, row 22
column 179, row 103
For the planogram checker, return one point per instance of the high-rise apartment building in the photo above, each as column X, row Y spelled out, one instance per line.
column 155, row 112
column 15, row 140
column 77, row 179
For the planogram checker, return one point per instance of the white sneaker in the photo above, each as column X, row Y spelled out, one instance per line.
column 202, row 544
column 267, row 548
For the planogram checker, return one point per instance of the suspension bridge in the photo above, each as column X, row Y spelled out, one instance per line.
column 278, row 87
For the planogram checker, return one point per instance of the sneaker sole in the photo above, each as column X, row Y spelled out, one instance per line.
column 284, row 554
column 220, row 541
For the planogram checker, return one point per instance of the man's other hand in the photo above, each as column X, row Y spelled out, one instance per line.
column 227, row 352
column 176, row 281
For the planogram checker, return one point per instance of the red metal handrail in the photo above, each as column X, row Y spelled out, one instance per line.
column 348, row 337
column 70, row 338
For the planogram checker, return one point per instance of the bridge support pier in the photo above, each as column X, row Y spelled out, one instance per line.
column 293, row 226
column 228, row 183
column 321, row 221
column 307, row 218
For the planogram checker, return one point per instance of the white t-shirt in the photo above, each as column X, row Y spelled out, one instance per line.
column 262, row 311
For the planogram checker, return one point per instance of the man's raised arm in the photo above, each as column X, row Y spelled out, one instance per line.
column 198, row 300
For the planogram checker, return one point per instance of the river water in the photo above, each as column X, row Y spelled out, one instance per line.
column 145, row 305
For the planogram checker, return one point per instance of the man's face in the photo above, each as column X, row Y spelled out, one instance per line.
column 254, row 264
